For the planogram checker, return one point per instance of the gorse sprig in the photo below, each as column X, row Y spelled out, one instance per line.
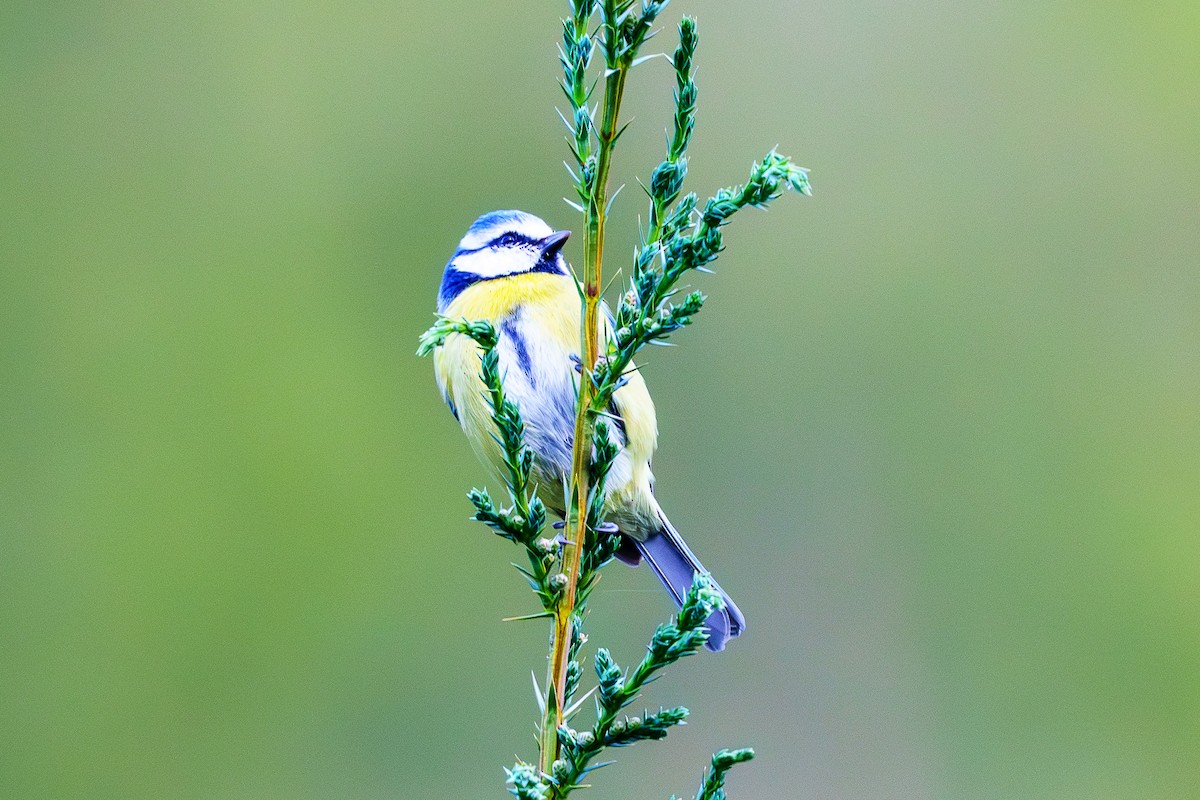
column 575, row 54
column 646, row 313
column 615, row 690
column 523, row 520
column 680, row 237
column 713, row 786
column 528, row 782
column 625, row 31
column 666, row 182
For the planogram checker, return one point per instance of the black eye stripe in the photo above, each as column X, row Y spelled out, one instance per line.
column 511, row 239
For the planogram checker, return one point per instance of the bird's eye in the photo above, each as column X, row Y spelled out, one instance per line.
column 507, row 240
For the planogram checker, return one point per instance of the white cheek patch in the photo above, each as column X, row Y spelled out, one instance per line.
column 492, row 263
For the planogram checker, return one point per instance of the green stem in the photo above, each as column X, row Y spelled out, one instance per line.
column 577, row 518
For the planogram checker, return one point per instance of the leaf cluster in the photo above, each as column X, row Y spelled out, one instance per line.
column 524, row 517
column 681, row 236
column 713, row 785
column 624, row 27
column 617, row 689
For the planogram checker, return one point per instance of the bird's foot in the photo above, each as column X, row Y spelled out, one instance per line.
column 603, row 527
column 578, row 362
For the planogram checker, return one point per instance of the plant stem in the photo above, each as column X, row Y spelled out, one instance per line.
column 577, row 521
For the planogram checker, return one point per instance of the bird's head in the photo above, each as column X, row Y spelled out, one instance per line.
column 500, row 244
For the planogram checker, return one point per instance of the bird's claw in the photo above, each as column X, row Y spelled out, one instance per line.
column 603, row 527
column 578, row 362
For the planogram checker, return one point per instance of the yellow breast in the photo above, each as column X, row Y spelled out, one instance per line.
column 495, row 299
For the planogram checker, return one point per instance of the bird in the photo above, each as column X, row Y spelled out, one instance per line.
column 509, row 270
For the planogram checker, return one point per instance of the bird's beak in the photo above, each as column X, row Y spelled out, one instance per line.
column 554, row 242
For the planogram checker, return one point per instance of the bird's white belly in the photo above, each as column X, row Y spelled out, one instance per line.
column 540, row 377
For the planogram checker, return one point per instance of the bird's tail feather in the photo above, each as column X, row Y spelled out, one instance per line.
column 676, row 566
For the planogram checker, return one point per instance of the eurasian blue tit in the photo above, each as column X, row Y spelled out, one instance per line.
column 509, row 270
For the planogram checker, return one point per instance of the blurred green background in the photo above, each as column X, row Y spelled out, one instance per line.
column 938, row 429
